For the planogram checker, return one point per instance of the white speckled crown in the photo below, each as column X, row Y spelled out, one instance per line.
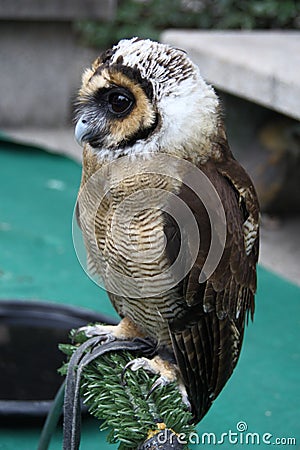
column 164, row 66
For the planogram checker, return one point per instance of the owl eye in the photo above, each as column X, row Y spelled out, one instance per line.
column 119, row 104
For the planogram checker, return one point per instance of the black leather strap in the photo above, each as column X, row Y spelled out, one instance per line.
column 80, row 359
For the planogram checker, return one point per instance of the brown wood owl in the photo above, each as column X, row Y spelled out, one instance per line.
column 168, row 216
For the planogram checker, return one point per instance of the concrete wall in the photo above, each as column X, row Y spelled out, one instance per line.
column 58, row 10
column 42, row 59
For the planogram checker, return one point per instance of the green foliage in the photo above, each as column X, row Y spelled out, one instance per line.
column 148, row 18
column 124, row 408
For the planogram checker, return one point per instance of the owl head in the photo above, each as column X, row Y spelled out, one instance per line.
column 142, row 96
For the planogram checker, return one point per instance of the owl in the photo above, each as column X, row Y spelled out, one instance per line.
column 169, row 219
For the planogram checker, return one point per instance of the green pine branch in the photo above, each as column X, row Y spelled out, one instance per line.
column 124, row 408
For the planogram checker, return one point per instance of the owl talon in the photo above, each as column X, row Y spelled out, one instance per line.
column 104, row 333
column 125, row 330
column 146, row 364
column 163, row 381
column 134, row 365
column 160, row 382
column 167, row 371
column 139, row 363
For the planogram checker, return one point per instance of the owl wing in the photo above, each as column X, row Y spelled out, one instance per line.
column 207, row 335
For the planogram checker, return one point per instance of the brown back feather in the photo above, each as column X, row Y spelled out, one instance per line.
column 207, row 337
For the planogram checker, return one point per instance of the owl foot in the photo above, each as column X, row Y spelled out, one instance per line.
column 104, row 332
column 125, row 330
column 168, row 373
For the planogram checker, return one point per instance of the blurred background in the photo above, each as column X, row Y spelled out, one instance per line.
column 250, row 52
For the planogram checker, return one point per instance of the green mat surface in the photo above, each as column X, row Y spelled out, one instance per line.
column 37, row 261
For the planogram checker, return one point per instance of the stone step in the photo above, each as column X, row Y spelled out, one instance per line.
column 260, row 66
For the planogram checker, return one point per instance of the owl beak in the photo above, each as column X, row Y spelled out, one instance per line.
column 81, row 130
column 91, row 130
